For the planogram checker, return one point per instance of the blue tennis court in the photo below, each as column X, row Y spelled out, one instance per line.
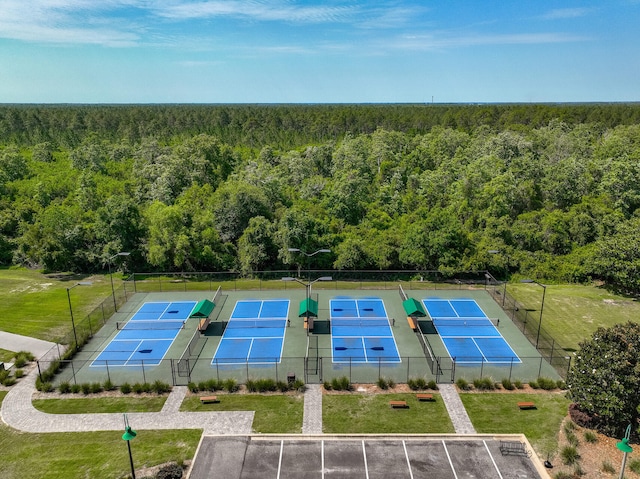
column 255, row 333
column 360, row 332
column 467, row 333
column 147, row 336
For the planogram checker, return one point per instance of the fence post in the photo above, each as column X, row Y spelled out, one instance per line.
column 144, row 378
column 73, row 373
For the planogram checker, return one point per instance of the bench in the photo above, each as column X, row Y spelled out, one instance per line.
column 412, row 323
column 424, row 397
column 514, row 448
column 398, row 404
column 209, row 399
column 526, row 405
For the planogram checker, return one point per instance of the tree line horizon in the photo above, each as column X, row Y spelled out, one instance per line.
column 550, row 191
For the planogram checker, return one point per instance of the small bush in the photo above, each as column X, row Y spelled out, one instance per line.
column 170, row 471
column 546, row 383
column 432, row 385
column 76, row 388
column 327, row 385
column 572, row 439
column 634, row 466
column 298, row 385
column 581, row 418
column 590, row 437
column 560, row 384
column 10, row 382
column 463, row 384
column 21, row 360
column 411, row 383
column 18, row 373
column 382, row 383
column 231, row 385
column 160, row 387
column 507, row 384
column 341, row 384
column 577, row 470
column 391, row 383
column 608, row 467
column 64, row 387
column 126, row 388
column 85, row 388
column 266, row 385
column 193, row 387
column 213, row 385
column 202, row 386
column 108, row 385
column 569, row 455
column 251, row 385
column 569, row 426
column 518, row 384
column 534, row 385
column 484, row 384
column 563, row 475
column 283, row 386
column 96, row 388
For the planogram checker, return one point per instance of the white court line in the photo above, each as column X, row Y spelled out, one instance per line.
column 406, row 454
column 364, row 455
column 449, row 457
column 492, row 460
column 280, row 460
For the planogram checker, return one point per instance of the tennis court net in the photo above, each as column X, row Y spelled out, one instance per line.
column 403, row 295
column 155, row 325
column 256, row 323
column 357, row 322
column 466, row 322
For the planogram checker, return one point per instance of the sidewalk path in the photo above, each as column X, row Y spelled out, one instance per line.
column 16, row 342
column 18, row 413
column 455, row 408
column 312, row 419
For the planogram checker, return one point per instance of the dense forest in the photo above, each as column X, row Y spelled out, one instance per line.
column 550, row 191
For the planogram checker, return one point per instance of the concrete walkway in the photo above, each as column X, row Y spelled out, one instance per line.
column 18, row 413
column 16, row 342
column 312, row 418
column 455, row 408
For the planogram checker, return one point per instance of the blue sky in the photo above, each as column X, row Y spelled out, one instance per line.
column 308, row 51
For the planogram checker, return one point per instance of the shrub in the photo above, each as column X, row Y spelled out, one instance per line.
column 22, row 358
column 266, row 385
column 213, row 385
column 484, row 384
column 608, row 467
column 193, row 387
column 341, row 384
column 202, row 386
column 76, row 388
column 546, row 383
column 577, row 470
column 108, row 385
column 170, row 471
column 569, row 455
column 327, row 385
column 507, row 384
column 572, row 439
column 569, row 426
column 251, row 385
column 283, row 386
column 590, row 437
column 382, row 383
column 231, row 385
column 560, row 384
column 160, row 387
column 518, row 384
column 463, row 384
column 18, row 373
column 432, row 385
column 9, row 382
column 298, row 385
column 4, row 374
column 534, row 385
column 563, row 475
column 580, row 417
column 634, row 466
column 391, row 383
column 64, row 387
column 85, row 388
column 125, row 388
column 96, row 388
column 44, row 386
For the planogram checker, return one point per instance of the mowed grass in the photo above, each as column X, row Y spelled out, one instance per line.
column 36, row 305
column 573, row 312
column 496, row 413
column 99, row 405
column 89, row 454
column 371, row 414
column 274, row 414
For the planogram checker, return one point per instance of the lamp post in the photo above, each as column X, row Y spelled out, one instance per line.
column 113, row 292
column 624, row 446
column 504, row 291
column 127, row 436
column 544, row 292
column 73, row 324
column 309, row 255
column 308, row 286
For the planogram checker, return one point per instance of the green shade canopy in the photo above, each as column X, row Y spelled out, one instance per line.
column 308, row 307
column 624, row 445
column 413, row 308
column 129, row 434
column 203, row 309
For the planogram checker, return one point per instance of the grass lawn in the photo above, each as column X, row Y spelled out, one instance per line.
column 573, row 312
column 498, row 413
column 89, row 454
column 6, row 356
column 370, row 413
column 99, row 405
column 274, row 414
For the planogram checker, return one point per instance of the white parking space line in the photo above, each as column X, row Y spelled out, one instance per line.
column 492, row 460
column 449, row 458
column 364, row 455
column 280, row 459
column 406, row 455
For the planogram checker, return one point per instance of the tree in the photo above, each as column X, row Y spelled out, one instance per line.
column 604, row 382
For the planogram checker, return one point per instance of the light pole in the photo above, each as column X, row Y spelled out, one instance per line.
column 624, row 446
column 544, row 292
column 113, row 292
column 73, row 324
column 504, row 291
column 127, row 436
column 308, row 287
column 309, row 255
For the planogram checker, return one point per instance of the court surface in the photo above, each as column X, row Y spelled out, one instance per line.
column 255, row 333
column 370, row 457
column 147, row 336
column 361, row 333
column 467, row 333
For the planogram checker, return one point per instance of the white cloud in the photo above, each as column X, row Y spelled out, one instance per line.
column 561, row 13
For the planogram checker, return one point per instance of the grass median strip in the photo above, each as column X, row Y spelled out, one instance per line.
column 89, row 454
column 99, row 405
column 274, row 414
column 371, row 414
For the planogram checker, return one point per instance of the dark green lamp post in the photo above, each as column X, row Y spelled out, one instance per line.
column 624, row 446
column 127, row 436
